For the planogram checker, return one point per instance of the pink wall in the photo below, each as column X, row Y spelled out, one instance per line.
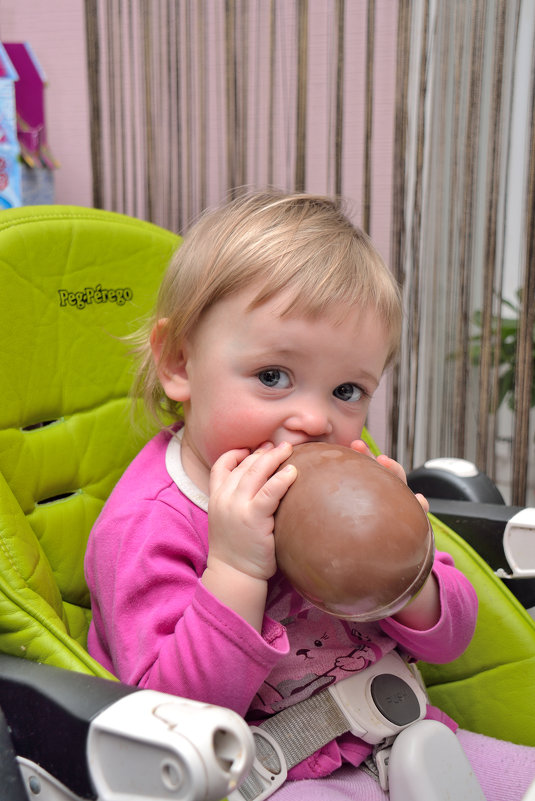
column 56, row 31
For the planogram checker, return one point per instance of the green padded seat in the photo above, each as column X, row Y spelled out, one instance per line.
column 73, row 281
column 491, row 687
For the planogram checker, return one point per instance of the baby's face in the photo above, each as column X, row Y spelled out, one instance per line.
column 254, row 376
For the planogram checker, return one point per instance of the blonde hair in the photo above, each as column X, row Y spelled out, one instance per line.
column 300, row 243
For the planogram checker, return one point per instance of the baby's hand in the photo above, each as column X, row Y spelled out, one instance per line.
column 423, row 612
column 360, row 446
column 245, row 492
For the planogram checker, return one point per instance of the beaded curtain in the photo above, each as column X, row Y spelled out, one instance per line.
column 418, row 112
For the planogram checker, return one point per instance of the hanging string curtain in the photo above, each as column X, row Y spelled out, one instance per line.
column 463, row 234
column 417, row 111
column 193, row 100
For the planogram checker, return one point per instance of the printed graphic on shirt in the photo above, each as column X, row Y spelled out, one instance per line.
column 323, row 650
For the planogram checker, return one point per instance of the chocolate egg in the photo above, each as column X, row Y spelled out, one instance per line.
column 350, row 536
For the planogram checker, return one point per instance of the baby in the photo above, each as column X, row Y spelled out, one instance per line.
column 274, row 324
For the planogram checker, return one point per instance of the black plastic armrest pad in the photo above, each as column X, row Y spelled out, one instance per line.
column 10, row 777
column 48, row 711
column 481, row 524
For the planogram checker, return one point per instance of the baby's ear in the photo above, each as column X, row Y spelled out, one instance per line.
column 171, row 368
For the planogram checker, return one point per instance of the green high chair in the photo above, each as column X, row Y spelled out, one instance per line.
column 74, row 283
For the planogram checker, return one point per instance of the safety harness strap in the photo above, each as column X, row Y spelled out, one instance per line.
column 302, row 729
column 288, row 738
column 374, row 704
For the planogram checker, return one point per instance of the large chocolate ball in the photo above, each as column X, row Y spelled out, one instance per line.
column 350, row 536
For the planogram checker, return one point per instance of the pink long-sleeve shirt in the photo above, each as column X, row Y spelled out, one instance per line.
column 156, row 626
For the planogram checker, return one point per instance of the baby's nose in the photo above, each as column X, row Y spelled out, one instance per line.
column 312, row 419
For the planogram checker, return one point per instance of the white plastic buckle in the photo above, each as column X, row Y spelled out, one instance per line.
column 390, row 685
column 354, row 696
column 382, row 760
column 260, row 776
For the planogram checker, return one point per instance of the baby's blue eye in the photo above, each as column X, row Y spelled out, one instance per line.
column 348, row 392
column 274, row 378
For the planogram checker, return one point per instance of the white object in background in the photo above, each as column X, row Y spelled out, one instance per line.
column 519, row 545
column 458, row 467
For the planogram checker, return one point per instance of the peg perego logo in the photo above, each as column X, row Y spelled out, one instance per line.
column 94, row 294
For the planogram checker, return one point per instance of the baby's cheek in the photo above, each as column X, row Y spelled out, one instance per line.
column 230, row 433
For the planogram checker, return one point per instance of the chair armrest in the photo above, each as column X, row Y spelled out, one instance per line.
column 98, row 737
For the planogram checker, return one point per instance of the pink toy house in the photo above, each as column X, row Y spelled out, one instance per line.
column 10, row 172
column 38, row 161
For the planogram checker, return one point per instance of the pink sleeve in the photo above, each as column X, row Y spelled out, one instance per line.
column 452, row 634
column 156, row 626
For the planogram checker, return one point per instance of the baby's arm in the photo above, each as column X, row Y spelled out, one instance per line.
column 245, row 491
column 155, row 625
column 423, row 612
column 451, row 634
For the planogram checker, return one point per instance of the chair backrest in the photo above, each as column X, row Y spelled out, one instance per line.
column 73, row 282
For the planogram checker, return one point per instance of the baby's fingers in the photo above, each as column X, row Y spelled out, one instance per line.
column 422, row 500
column 398, row 470
column 360, row 446
column 245, row 473
column 225, row 465
column 271, row 493
column 393, row 466
column 256, row 469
